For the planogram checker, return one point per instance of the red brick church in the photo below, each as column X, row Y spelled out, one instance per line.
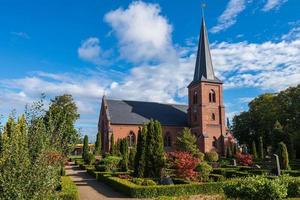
column 204, row 114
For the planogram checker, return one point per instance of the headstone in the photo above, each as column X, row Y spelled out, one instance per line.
column 277, row 171
column 166, row 181
column 256, row 167
column 234, row 162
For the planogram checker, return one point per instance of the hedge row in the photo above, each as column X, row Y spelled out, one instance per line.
column 68, row 189
column 136, row 191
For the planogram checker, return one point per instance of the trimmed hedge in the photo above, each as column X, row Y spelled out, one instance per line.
column 68, row 189
column 294, row 173
column 136, row 191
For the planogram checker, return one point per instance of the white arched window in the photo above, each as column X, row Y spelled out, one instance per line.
column 212, row 96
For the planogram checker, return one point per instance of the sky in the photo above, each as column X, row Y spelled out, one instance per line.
column 143, row 50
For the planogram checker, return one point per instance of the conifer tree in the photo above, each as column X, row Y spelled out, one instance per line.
column 9, row 127
column 139, row 160
column 155, row 159
column 124, row 154
column 261, row 148
column 98, row 144
column 132, row 152
column 229, row 150
column 186, row 141
column 85, row 148
column 283, row 156
column 112, row 144
column 254, row 152
column 1, row 143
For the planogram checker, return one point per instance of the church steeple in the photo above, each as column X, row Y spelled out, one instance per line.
column 204, row 70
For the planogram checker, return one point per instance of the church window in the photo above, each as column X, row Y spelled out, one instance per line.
column 131, row 139
column 213, row 116
column 167, row 140
column 195, row 97
column 212, row 96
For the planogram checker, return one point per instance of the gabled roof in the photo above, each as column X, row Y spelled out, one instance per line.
column 204, row 70
column 139, row 112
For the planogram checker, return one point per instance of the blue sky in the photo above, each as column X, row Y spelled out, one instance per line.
column 143, row 50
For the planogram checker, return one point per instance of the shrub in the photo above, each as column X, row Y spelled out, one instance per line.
column 204, row 170
column 259, row 188
column 68, row 189
column 184, row 164
column 100, row 168
column 293, row 186
column 244, row 159
column 284, row 156
column 216, row 177
column 131, row 189
column 89, row 158
column 111, row 163
column 212, row 156
column 144, row 182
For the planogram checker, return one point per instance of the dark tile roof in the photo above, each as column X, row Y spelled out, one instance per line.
column 139, row 112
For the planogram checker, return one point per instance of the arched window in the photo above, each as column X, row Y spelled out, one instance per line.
column 213, row 116
column 131, row 139
column 215, row 142
column 167, row 140
column 212, row 96
column 195, row 97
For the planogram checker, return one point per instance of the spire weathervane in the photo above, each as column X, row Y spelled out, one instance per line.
column 203, row 6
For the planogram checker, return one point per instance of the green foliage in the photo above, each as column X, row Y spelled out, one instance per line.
column 293, row 186
column 132, row 152
column 60, row 120
column 112, row 145
column 261, row 148
column 187, row 141
column 89, row 158
column 212, row 156
column 129, row 188
column 111, row 163
column 204, row 170
column 139, row 160
column 98, row 144
column 124, row 154
column 283, row 156
column 259, row 188
column 144, row 182
column 154, row 154
column 254, row 152
column 85, row 148
column 68, row 189
column 229, row 148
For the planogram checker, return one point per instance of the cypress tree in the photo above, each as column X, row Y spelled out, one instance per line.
column 112, row 144
column 98, row 144
column 132, row 152
column 261, row 148
column 229, row 150
column 254, row 152
column 139, row 160
column 1, row 143
column 283, row 156
column 124, row 153
column 155, row 160
column 85, row 148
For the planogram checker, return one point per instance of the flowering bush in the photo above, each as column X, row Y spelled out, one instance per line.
column 244, row 159
column 184, row 164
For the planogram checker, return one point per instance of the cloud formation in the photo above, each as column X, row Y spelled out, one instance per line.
column 273, row 4
column 229, row 16
column 90, row 50
column 143, row 33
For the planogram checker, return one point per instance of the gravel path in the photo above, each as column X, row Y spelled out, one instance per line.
column 89, row 188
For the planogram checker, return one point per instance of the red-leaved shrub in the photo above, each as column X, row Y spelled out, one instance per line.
column 244, row 159
column 184, row 164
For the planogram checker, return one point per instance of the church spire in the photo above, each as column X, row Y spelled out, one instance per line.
column 204, row 70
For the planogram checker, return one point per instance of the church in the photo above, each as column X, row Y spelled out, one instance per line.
column 204, row 114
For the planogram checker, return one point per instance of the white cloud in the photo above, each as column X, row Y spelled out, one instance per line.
column 90, row 50
column 273, row 4
column 228, row 17
column 20, row 35
column 142, row 32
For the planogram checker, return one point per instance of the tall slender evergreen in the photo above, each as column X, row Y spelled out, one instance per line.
column 85, row 148
column 124, row 154
column 254, row 152
column 283, row 156
column 139, row 160
column 98, row 144
column 261, row 148
column 112, row 144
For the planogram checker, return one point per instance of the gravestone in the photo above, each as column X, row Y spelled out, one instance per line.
column 164, row 178
column 234, row 162
column 277, row 165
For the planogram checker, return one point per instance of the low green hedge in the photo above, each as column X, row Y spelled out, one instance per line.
column 68, row 189
column 294, row 173
column 136, row 191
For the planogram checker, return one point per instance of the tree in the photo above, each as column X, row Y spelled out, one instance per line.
column 283, row 156
column 132, row 152
column 85, row 148
column 112, row 145
column 184, row 164
column 139, row 160
column 98, row 144
column 60, row 120
column 124, row 154
column 261, row 148
column 154, row 154
column 254, row 152
column 186, row 141
column 229, row 147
